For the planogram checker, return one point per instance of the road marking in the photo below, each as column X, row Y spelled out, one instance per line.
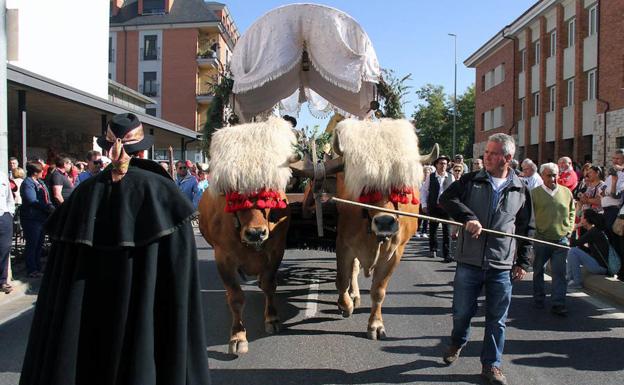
column 312, row 300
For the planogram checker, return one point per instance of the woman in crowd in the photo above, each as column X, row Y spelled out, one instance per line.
column 18, row 178
column 590, row 198
column 36, row 206
column 423, row 224
column 591, row 250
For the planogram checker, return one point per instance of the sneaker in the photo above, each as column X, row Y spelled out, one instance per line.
column 433, row 254
column 494, row 375
column 425, row 236
column 418, row 235
column 452, row 354
column 559, row 310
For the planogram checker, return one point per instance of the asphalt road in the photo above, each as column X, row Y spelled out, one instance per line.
column 318, row 346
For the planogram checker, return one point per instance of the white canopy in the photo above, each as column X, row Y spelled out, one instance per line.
column 267, row 61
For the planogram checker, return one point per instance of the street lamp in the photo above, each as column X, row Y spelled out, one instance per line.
column 454, row 94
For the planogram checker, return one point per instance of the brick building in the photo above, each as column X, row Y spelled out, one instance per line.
column 170, row 50
column 554, row 79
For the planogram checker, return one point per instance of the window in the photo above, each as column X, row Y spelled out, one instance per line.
column 499, row 75
column 536, row 103
column 153, row 6
column 111, row 52
column 151, row 111
column 522, row 101
column 522, row 60
column 591, row 85
column 570, row 93
column 553, row 43
column 150, row 52
column 150, row 87
column 593, row 20
column 571, row 32
column 536, row 47
column 482, row 83
column 552, row 98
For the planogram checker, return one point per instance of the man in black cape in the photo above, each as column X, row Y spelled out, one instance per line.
column 120, row 301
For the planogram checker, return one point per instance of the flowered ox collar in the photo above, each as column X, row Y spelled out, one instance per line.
column 263, row 199
column 397, row 195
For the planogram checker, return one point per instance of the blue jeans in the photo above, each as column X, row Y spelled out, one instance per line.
column 557, row 258
column 34, row 234
column 578, row 257
column 469, row 280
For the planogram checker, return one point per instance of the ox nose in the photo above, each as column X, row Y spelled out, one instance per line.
column 385, row 225
column 256, row 235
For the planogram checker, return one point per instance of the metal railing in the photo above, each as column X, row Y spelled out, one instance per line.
column 149, row 88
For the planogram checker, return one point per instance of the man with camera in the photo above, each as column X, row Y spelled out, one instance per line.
column 94, row 165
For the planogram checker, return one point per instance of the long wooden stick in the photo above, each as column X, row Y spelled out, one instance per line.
column 406, row 214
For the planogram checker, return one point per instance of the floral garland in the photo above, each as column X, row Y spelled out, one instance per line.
column 263, row 199
column 397, row 195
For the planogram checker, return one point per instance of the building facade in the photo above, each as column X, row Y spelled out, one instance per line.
column 554, row 79
column 170, row 51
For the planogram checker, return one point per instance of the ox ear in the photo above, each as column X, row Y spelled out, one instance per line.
column 435, row 153
column 336, row 144
column 334, row 166
column 300, row 167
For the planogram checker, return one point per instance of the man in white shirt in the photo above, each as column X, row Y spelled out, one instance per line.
column 529, row 175
column 7, row 210
column 433, row 187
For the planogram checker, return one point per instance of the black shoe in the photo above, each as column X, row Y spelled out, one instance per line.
column 433, row 254
column 448, row 259
column 452, row 354
column 538, row 304
column 559, row 310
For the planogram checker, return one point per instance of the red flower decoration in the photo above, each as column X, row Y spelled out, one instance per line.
column 263, row 199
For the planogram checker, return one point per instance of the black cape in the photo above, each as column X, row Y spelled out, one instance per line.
column 120, row 300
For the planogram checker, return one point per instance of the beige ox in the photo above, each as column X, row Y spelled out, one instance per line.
column 247, row 159
column 378, row 157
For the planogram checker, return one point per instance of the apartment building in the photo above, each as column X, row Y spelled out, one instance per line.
column 554, row 79
column 170, row 51
column 58, row 96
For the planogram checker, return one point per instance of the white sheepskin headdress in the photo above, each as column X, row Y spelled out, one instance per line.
column 378, row 156
column 250, row 157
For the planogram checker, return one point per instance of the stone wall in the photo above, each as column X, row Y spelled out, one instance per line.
column 615, row 129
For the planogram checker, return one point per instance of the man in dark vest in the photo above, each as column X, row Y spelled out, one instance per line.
column 120, row 301
column 434, row 186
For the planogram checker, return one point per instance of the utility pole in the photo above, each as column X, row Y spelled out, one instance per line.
column 454, row 97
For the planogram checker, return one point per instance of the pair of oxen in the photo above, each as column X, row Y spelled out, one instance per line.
column 245, row 216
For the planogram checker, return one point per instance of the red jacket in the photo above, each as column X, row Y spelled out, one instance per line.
column 568, row 179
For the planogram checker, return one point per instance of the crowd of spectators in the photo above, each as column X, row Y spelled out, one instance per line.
column 27, row 199
column 574, row 206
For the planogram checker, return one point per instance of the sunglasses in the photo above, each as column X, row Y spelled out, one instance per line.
column 182, row 168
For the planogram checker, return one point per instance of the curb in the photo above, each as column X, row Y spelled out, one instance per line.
column 20, row 288
column 603, row 286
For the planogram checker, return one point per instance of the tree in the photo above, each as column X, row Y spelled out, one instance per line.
column 433, row 119
column 221, row 88
column 392, row 92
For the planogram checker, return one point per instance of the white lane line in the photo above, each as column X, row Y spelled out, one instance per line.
column 312, row 300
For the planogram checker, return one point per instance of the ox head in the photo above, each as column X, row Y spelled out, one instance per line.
column 256, row 214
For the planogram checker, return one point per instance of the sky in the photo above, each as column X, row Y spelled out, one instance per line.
column 411, row 36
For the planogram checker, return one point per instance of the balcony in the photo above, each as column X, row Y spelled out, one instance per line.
column 204, row 94
column 208, row 59
column 149, row 89
column 150, row 54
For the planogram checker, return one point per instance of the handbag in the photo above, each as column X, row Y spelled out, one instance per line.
column 613, row 262
column 618, row 227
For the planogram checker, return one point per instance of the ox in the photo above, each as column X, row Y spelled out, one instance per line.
column 382, row 167
column 245, row 216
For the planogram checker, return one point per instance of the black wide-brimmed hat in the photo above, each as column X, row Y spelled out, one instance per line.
column 441, row 157
column 129, row 129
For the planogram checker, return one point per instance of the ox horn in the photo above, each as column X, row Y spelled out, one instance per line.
column 435, row 153
column 305, row 168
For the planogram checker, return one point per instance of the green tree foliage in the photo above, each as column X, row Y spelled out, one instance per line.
column 392, row 92
column 433, row 119
column 221, row 87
